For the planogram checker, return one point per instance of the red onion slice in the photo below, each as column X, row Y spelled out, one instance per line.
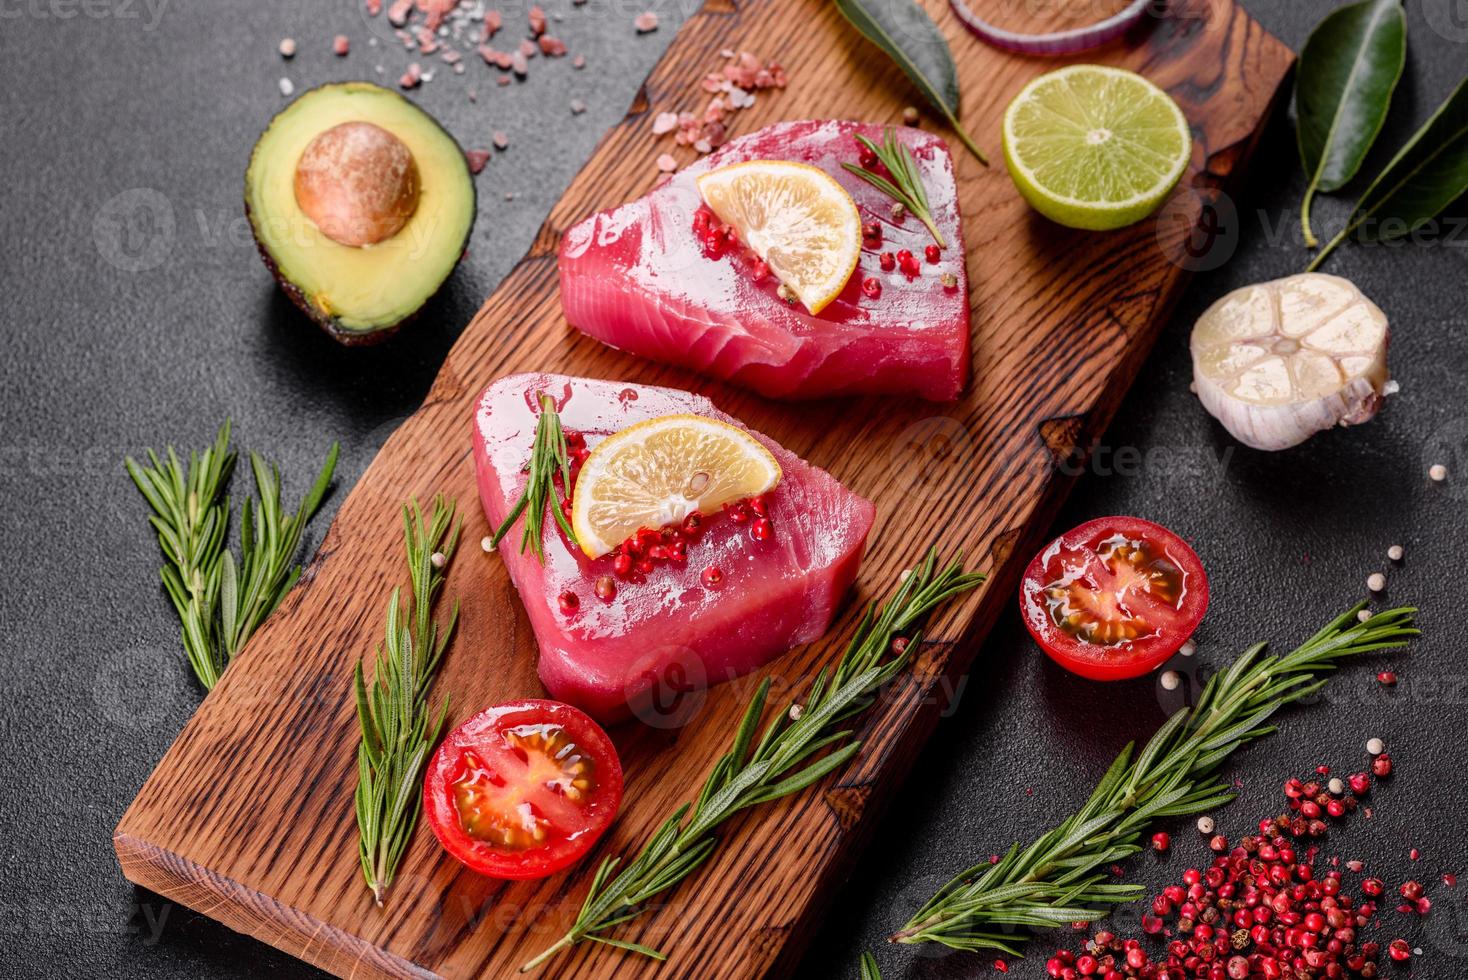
column 1055, row 42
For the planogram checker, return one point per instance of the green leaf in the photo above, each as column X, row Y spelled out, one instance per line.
column 1426, row 175
column 869, row 969
column 909, row 37
column 1347, row 72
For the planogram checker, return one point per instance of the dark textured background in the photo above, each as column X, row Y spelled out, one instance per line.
column 113, row 117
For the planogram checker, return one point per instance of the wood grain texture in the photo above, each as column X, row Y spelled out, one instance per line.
column 248, row 817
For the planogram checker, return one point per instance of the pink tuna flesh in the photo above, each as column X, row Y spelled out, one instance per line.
column 666, row 633
column 639, row 278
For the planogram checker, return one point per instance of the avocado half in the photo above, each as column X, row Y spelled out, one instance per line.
column 359, row 293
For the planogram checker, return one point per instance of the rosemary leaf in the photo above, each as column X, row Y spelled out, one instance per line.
column 549, row 458
column 775, row 765
column 869, row 969
column 398, row 728
column 221, row 601
column 1061, row 877
column 906, row 185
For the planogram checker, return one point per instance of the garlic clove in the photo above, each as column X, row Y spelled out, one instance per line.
column 1279, row 361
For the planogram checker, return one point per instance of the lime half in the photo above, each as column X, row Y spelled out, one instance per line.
column 1095, row 147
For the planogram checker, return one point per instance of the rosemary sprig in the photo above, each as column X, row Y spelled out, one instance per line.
column 397, row 733
column 906, row 185
column 869, row 970
column 1061, row 877
column 783, row 760
column 220, row 601
column 549, row 456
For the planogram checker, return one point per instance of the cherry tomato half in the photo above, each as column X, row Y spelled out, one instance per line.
column 1114, row 597
column 524, row 789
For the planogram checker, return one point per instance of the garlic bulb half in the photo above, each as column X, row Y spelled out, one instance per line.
column 1280, row 361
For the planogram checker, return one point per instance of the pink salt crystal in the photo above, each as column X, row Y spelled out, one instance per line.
column 666, row 163
column 519, row 65
column 665, row 122
column 579, row 61
column 341, row 44
column 552, row 47
column 645, row 22
column 412, row 77
column 500, row 139
column 529, row 48
column 397, row 14
column 436, row 10
column 477, row 159
column 503, row 80
column 374, row 7
column 492, row 23
column 537, row 21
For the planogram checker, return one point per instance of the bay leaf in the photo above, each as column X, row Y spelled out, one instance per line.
column 905, row 32
column 1427, row 174
column 1347, row 72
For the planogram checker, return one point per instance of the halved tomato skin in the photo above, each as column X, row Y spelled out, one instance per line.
column 1086, row 555
column 479, row 746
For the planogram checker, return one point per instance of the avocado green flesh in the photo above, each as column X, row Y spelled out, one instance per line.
column 358, row 291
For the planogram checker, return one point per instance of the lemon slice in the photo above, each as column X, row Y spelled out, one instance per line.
column 1095, row 147
column 659, row 471
column 795, row 217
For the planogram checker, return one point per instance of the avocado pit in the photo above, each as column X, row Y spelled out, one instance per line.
column 358, row 183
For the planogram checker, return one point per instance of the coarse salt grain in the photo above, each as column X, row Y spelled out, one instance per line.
column 340, row 45
column 645, row 22
column 1363, row 615
column 287, row 48
column 1376, row 581
column 666, row 163
column 1170, row 680
column 1188, row 648
column 1375, row 746
column 1438, row 472
column 287, row 87
column 1395, row 552
column 665, row 122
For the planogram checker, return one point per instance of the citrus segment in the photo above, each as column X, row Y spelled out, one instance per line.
column 660, row 470
column 796, row 217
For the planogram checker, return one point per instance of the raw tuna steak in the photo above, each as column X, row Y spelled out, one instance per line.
column 640, row 278
column 667, row 632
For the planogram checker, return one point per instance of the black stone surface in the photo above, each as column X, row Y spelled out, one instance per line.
column 118, row 114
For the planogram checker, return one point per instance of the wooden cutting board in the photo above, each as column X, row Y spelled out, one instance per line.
column 249, row 819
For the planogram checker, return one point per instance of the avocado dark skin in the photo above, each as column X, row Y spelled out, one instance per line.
column 334, row 327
